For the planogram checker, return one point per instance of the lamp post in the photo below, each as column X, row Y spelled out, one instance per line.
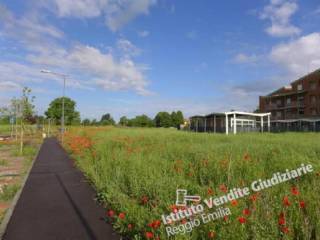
column 64, row 77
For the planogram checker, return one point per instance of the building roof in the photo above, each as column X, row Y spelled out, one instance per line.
column 286, row 90
column 231, row 113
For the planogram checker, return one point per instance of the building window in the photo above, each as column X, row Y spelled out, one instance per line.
column 313, row 112
column 278, row 102
column 313, row 99
column 278, row 114
column 288, row 101
column 299, row 87
column 301, row 112
column 313, row 85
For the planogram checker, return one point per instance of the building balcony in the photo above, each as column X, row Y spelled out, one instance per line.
column 284, row 106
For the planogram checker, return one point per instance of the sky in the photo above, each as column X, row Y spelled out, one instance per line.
column 131, row 57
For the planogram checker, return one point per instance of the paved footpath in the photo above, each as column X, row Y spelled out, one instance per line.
column 57, row 203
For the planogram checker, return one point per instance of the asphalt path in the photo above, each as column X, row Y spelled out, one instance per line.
column 57, row 203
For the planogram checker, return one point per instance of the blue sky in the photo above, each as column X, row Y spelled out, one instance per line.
column 144, row 56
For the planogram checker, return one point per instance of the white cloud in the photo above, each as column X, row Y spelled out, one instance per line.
column 80, row 8
column 143, row 33
column 117, row 13
column 8, row 86
column 128, row 48
column 298, row 56
column 88, row 66
column 279, row 12
column 244, row 58
column 106, row 71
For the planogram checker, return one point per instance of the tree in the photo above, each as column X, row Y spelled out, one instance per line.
column 94, row 122
column 106, row 119
column 54, row 111
column 163, row 119
column 24, row 110
column 177, row 119
column 141, row 121
column 124, row 121
column 86, row 122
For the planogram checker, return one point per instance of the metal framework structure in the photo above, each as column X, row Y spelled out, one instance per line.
column 230, row 122
column 234, row 120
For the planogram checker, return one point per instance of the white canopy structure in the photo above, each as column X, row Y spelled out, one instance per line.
column 241, row 121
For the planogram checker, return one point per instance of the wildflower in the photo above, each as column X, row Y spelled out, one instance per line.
column 130, row 226
column 184, row 221
column 174, row 208
column 144, row 200
column 155, row 224
column 246, row 157
column 285, row 229
column 286, row 201
column 234, row 202
column 122, row 215
column 246, row 211
column 254, row 197
column 302, row 204
column 110, row 213
column 295, row 191
column 282, row 219
column 210, row 191
column 211, row 234
column 149, row 235
column 242, row 220
column 225, row 218
column 223, row 188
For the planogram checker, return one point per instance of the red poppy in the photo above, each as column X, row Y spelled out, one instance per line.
column 282, row 219
column 210, row 191
column 149, row 235
column 286, row 201
column 155, row 224
column 225, row 218
column 223, row 188
column 295, row 191
column 211, row 234
column 184, row 221
column 242, row 220
column 254, row 197
column 302, row 204
column 246, row 211
column 110, row 213
column 234, row 202
column 130, row 226
column 174, row 208
column 122, row 215
column 144, row 200
column 285, row 229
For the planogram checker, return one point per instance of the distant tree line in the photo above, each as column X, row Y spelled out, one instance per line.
column 162, row 119
column 72, row 117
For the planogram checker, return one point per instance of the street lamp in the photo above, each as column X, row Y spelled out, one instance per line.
column 64, row 76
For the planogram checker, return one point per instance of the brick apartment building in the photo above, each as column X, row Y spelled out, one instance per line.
column 299, row 100
column 295, row 105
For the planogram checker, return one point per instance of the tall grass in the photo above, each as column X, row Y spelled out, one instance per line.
column 137, row 172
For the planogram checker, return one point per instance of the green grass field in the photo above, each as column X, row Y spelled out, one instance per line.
column 136, row 173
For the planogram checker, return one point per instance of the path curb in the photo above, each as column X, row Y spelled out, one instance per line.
column 6, row 219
